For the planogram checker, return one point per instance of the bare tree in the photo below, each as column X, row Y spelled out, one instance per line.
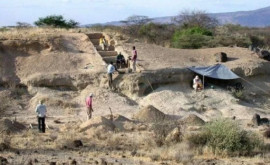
column 134, row 23
column 195, row 18
column 23, row 25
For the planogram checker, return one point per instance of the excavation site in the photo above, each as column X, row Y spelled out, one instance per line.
column 148, row 116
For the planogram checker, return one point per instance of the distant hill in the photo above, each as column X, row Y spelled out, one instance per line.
column 254, row 18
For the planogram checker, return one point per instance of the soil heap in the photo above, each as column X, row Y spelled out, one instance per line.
column 150, row 114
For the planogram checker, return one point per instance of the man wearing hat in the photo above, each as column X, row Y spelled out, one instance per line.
column 89, row 108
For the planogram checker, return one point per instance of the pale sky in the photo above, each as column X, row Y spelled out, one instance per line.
column 101, row 11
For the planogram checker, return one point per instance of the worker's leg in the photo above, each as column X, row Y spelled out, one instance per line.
column 102, row 46
column 134, row 66
column 90, row 113
column 43, row 124
column 87, row 112
column 39, row 124
column 110, row 80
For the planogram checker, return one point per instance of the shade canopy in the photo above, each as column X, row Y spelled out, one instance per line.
column 218, row 71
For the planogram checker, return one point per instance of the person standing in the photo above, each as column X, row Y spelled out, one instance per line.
column 134, row 59
column 103, row 43
column 41, row 114
column 89, row 102
column 110, row 71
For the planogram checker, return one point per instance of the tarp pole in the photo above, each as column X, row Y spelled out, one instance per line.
column 203, row 82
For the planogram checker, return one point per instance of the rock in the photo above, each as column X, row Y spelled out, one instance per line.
column 265, row 54
column 264, row 121
column 77, row 143
column 173, row 136
column 221, row 57
column 30, row 162
column 3, row 161
column 73, row 162
column 267, row 133
column 4, row 146
column 256, row 119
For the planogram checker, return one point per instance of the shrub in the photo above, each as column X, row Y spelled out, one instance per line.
column 226, row 136
column 156, row 33
column 191, row 38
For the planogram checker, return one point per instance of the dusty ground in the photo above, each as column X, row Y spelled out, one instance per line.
column 62, row 67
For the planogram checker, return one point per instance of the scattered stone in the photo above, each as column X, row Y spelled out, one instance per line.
column 77, row 143
column 4, row 146
column 52, row 163
column 221, row 57
column 57, row 121
column 234, row 117
column 73, row 162
column 133, row 153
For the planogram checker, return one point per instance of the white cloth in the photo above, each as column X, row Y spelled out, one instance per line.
column 41, row 110
column 110, row 68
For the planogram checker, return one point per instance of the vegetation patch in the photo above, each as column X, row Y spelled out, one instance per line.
column 226, row 136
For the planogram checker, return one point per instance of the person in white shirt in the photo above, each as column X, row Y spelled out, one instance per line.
column 41, row 114
column 110, row 71
column 197, row 83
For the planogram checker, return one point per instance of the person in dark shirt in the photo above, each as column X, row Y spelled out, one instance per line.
column 120, row 61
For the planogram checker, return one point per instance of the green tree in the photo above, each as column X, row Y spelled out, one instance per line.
column 56, row 21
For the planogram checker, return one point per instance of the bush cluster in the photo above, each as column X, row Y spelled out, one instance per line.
column 57, row 21
column 226, row 136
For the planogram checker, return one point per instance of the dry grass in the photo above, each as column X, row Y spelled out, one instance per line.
column 180, row 153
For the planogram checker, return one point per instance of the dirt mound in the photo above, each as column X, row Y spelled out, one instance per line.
column 117, row 118
column 9, row 126
column 150, row 114
column 192, row 119
column 98, row 122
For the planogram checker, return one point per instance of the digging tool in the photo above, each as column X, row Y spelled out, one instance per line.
column 111, row 117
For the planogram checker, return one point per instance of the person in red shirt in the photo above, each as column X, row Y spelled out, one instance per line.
column 134, row 59
column 89, row 102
